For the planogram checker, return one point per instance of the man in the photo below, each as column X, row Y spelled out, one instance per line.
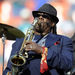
column 48, row 53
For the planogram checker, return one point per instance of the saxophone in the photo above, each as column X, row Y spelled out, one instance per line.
column 19, row 59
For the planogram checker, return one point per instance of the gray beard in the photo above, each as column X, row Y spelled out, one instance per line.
column 39, row 26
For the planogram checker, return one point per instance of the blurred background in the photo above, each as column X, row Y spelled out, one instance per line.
column 18, row 14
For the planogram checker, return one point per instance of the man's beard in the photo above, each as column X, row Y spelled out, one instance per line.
column 40, row 27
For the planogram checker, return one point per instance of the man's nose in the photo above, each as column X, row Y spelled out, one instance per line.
column 41, row 18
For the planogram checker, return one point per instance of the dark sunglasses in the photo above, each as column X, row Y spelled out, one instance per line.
column 43, row 15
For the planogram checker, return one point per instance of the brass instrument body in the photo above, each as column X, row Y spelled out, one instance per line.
column 19, row 59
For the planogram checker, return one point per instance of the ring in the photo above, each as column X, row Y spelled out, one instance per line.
column 30, row 46
column 24, row 45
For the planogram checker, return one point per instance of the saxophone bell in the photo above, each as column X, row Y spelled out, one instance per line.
column 19, row 59
column 17, row 62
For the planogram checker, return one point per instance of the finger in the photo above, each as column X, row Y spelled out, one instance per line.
column 28, row 42
column 28, row 47
column 25, row 46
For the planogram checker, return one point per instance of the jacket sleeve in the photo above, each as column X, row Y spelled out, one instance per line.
column 15, row 48
column 8, row 67
column 60, row 56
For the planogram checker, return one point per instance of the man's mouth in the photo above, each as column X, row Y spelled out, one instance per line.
column 38, row 27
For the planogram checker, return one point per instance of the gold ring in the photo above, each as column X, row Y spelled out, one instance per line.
column 30, row 46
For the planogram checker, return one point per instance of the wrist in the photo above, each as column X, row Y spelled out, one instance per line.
column 41, row 51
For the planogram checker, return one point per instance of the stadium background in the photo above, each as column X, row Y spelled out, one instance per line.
column 18, row 13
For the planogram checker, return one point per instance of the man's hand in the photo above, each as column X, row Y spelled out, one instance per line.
column 33, row 47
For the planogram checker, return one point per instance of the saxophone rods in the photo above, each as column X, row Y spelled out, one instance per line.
column 19, row 59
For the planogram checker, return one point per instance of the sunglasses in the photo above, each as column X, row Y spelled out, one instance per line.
column 43, row 15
